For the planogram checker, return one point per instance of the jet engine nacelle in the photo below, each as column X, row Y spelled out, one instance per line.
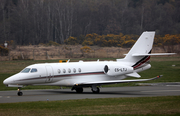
column 115, row 70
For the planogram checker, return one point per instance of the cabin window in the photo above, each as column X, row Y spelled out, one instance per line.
column 33, row 70
column 69, row 70
column 74, row 70
column 59, row 71
column 64, row 71
column 26, row 70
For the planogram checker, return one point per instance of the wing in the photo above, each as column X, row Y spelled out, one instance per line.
column 115, row 81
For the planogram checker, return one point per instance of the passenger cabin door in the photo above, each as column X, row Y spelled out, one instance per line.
column 49, row 74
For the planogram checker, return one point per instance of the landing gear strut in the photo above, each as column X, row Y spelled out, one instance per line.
column 19, row 92
column 95, row 89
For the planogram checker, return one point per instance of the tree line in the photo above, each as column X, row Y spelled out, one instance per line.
column 40, row 21
column 167, row 42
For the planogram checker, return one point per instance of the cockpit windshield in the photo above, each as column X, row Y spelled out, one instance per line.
column 26, row 70
column 33, row 70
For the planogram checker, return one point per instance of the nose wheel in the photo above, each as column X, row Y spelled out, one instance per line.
column 19, row 92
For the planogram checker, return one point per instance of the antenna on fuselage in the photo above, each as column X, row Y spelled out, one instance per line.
column 68, row 61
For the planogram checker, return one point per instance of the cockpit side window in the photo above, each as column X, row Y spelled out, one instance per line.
column 33, row 70
column 26, row 70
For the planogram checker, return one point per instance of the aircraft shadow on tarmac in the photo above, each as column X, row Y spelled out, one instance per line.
column 134, row 93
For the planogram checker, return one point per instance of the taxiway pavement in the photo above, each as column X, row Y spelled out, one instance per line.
column 67, row 94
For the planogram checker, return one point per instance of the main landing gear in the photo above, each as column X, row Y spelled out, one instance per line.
column 95, row 89
column 79, row 89
column 19, row 92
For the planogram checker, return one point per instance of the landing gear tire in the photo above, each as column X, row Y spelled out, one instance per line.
column 20, row 93
column 96, row 91
column 79, row 90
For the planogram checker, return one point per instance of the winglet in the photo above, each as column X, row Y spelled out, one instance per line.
column 157, row 77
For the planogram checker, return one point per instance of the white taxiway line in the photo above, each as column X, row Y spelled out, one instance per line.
column 173, row 85
column 161, row 91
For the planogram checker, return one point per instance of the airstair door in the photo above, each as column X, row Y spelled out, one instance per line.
column 49, row 74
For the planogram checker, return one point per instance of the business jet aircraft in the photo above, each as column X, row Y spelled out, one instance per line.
column 89, row 74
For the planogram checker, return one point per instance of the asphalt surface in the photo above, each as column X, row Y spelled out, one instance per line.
column 112, row 92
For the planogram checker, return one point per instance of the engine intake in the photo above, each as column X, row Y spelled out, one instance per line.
column 106, row 69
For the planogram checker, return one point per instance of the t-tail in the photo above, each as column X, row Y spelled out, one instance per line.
column 142, row 46
column 140, row 53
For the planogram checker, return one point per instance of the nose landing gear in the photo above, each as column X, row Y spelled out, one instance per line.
column 19, row 92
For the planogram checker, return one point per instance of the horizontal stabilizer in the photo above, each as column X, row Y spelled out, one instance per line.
column 134, row 74
column 154, row 54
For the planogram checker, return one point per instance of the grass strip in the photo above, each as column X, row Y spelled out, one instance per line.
column 107, row 106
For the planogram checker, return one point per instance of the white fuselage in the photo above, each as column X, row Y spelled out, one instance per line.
column 66, row 74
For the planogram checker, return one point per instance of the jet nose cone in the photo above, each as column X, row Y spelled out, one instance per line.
column 7, row 81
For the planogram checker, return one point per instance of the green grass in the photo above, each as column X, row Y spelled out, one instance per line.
column 160, row 66
column 144, row 106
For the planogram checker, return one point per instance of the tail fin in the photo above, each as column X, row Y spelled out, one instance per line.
column 142, row 46
column 141, row 51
